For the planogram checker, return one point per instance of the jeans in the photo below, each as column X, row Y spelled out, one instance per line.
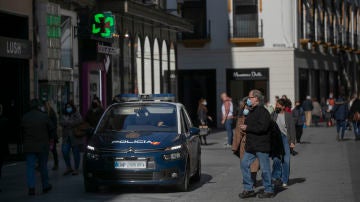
column 66, row 147
column 299, row 132
column 341, row 125
column 31, row 160
column 281, row 170
column 229, row 130
column 264, row 161
column 356, row 127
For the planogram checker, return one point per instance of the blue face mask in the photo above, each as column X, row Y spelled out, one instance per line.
column 69, row 110
column 248, row 102
column 246, row 112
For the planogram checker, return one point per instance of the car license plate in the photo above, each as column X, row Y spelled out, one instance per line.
column 130, row 164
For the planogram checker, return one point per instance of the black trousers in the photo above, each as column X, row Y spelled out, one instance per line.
column 299, row 131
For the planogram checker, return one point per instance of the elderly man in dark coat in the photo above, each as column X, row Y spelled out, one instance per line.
column 38, row 132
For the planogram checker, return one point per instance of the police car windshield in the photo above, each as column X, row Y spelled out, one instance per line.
column 151, row 117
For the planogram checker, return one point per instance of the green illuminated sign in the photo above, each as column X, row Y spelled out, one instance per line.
column 53, row 26
column 103, row 24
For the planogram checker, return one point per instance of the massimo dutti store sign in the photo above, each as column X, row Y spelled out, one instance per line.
column 15, row 48
column 248, row 74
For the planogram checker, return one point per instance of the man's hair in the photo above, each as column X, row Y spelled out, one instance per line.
column 282, row 102
column 256, row 93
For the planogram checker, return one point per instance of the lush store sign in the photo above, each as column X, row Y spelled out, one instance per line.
column 15, row 48
column 103, row 25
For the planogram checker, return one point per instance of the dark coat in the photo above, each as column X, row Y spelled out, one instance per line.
column 341, row 110
column 257, row 131
column 68, row 123
column 38, row 129
column 307, row 105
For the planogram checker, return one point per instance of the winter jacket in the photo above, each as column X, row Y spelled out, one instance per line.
column 257, row 131
column 316, row 109
column 38, row 129
column 355, row 107
column 298, row 116
column 289, row 124
column 68, row 123
column 239, row 142
column 307, row 105
column 341, row 110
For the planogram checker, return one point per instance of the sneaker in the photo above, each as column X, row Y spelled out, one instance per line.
column 277, row 182
column 31, row 192
column 266, row 195
column 47, row 189
column 68, row 171
column 284, row 185
column 247, row 194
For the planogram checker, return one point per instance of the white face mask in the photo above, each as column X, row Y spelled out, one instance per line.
column 204, row 103
column 246, row 111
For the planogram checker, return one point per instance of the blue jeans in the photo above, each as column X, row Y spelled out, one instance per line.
column 229, row 130
column 281, row 170
column 66, row 147
column 341, row 125
column 264, row 161
column 356, row 128
column 31, row 160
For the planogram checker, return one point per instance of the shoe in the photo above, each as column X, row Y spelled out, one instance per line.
column 247, row 194
column 276, row 182
column 284, row 185
column 47, row 189
column 31, row 192
column 68, row 171
column 75, row 172
column 294, row 153
column 266, row 195
column 55, row 167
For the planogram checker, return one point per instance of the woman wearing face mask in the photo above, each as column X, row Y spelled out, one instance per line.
column 71, row 118
column 239, row 140
column 284, row 119
column 202, row 113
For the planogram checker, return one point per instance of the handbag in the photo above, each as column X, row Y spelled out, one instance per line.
column 356, row 117
column 204, row 130
column 81, row 129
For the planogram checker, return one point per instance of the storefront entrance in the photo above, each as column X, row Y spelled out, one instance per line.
column 241, row 81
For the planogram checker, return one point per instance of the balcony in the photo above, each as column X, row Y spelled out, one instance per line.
column 247, row 32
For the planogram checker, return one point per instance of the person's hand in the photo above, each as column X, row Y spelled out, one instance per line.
column 292, row 145
column 209, row 117
column 222, row 122
column 243, row 127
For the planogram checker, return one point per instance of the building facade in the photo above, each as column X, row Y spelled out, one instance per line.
column 73, row 51
column 293, row 48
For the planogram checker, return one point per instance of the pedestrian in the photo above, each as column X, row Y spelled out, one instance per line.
column 52, row 114
column 316, row 112
column 355, row 108
column 227, row 110
column 239, row 140
column 70, row 119
column 258, row 145
column 285, row 121
column 203, row 117
column 288, row 103
column 340, row 111
column 308, row 107
column 38, row 130
column 93, row 115
column 4, row 150
column 269, row 107
column 298, row 116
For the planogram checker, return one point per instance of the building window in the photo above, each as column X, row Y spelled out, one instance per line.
column 195, row 12
column 66, row 42
column 245, row 19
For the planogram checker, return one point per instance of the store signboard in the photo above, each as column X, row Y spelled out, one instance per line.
column 249, row 74
column 15, row 48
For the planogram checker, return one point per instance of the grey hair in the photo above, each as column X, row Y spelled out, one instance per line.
column 258, row 94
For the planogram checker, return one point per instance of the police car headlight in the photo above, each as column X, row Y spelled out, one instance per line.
column 176, row 154
column 172, row 156
column 91, row 153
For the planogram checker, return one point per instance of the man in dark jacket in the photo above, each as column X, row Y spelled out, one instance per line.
column 258, row 144
column 355, row 107
column 341, row 113
column 38, row 131
column 308, row 107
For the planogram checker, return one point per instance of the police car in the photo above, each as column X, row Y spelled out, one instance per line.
column 143, row 140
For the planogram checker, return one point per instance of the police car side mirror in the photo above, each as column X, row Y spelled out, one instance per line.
column 194, row 131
